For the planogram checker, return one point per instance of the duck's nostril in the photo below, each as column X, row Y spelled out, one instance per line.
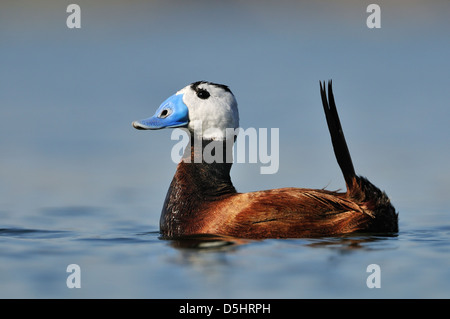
column 164, row 114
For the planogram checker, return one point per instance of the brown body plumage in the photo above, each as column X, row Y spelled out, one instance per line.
column 202, row 200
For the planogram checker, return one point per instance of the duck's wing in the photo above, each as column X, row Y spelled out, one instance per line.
column 294, row 212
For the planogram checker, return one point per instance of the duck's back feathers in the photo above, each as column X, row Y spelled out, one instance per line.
column 290, row 213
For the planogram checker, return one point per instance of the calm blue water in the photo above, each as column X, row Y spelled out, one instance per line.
column 80, row 186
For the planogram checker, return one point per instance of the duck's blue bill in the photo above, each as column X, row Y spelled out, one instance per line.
column 172, row 113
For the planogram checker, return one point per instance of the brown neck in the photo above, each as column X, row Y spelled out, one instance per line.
column 202, row 176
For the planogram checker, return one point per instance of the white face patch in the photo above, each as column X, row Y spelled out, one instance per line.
column 212, row 113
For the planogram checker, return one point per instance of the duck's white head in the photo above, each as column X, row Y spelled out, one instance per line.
column 207, row 109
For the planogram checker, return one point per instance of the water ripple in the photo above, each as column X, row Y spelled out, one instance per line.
column 32, row 233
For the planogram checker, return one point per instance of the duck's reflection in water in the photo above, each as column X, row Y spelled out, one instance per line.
column 224, row 262
column 208, row 242
column 349, row 242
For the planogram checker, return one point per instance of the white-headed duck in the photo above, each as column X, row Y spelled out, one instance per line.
column 202, row 199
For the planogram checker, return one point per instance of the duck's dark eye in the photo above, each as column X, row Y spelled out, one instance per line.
column 165, row 113
column 203, row 94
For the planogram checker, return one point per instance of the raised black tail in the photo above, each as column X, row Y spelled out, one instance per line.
column 371, row 199
column 337, row 135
